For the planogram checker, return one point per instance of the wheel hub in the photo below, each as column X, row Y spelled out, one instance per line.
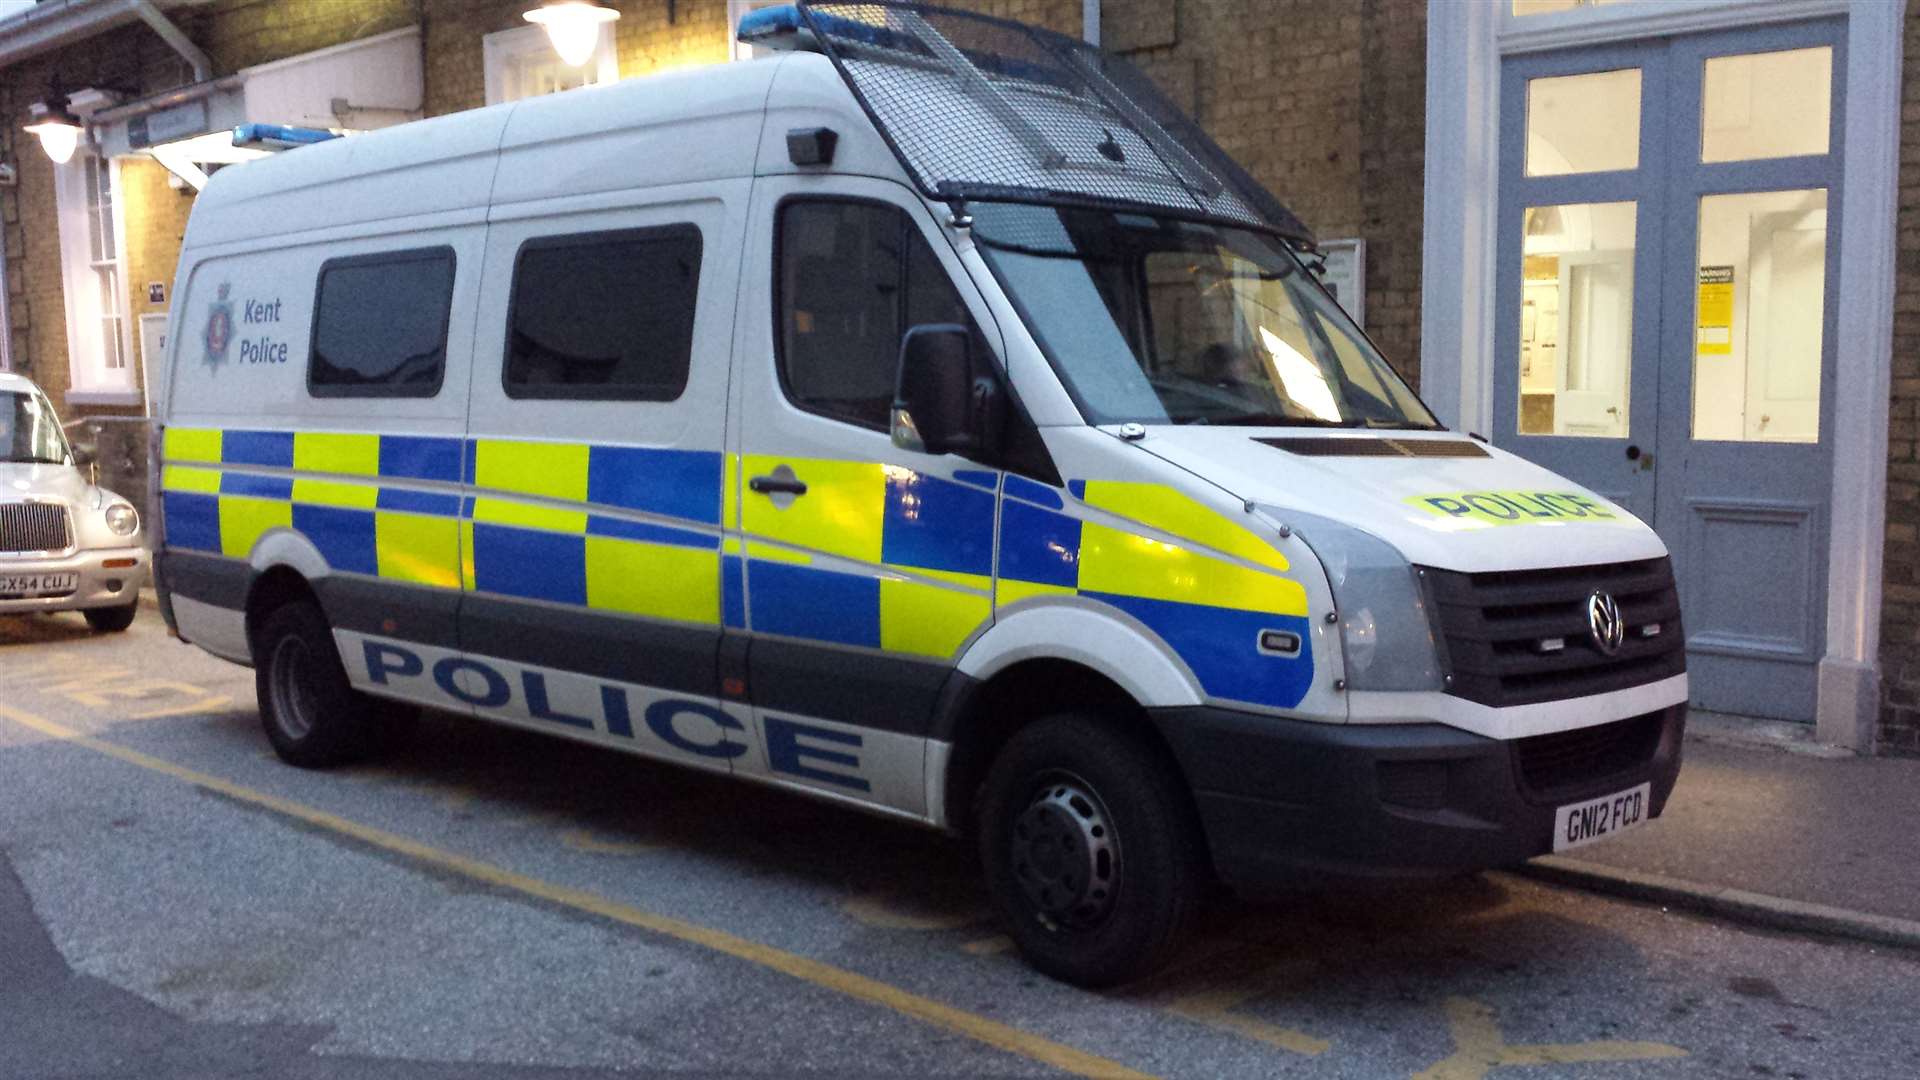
column 1065, row 856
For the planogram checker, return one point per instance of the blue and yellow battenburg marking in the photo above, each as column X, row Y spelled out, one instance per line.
column 638, row 531
column 1208, row 593
column 930, row 538
column 545, row 521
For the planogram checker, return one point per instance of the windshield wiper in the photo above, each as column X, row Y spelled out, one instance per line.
column 1265, row 419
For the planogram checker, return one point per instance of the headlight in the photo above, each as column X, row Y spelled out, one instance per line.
column 1385, row 630
column 124, row 520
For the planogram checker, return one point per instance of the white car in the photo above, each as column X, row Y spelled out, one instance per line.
column 66, row 544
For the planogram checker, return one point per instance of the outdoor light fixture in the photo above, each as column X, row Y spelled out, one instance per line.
column 59, row 131
column 573, row 26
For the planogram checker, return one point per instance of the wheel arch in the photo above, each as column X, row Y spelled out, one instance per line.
column 1042, row 662
column 285, row 566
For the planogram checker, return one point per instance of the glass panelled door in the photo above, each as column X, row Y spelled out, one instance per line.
column 1665, row 321
column 1577, row 375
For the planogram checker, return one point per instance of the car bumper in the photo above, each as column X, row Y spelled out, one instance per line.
column 1285, row 802
column 98, row 584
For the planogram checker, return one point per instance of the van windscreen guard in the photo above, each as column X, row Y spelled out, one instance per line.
column 982, row 108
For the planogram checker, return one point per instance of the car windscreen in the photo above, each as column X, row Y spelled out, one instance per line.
column 1157, row 321
column 29, row 431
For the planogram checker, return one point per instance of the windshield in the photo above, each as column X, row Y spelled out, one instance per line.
column 29, row 432
column 1158, row 321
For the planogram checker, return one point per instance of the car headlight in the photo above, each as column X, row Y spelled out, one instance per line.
column 1386, row 632
column 123, row 519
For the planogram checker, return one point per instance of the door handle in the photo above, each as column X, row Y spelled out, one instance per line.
column 777, row 485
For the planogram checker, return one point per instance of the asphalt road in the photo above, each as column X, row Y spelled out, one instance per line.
column 484, row 903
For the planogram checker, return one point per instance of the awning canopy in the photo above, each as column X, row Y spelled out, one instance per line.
column 370, row 83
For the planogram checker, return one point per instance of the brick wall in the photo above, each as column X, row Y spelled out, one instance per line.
column 645, row 41
column 1900, row 615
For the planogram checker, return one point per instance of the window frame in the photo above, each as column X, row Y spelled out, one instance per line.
column 384, row 390
column 94, row 291
column 503, row 52
column 589, row 392
column 991, row 359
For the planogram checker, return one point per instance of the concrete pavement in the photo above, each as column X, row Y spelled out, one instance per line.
column 1774, row 831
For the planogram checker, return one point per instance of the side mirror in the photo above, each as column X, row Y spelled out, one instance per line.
column 940, row 405
column 86, row 457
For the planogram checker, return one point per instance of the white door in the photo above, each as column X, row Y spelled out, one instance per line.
column 1596, row 329
column 1789, row 294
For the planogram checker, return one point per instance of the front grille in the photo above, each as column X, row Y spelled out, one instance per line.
column 33, row 527
column 1584, row 757
column 1499, row 629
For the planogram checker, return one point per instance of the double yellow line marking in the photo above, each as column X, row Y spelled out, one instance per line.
column 979, row 1028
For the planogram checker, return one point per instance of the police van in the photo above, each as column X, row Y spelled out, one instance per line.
column 928, row 418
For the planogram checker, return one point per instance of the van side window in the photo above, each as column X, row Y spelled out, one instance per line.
column 853, row 278
column 604, row 316
column 380, row 324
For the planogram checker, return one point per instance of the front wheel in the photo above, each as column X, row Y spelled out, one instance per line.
column 1093, row 857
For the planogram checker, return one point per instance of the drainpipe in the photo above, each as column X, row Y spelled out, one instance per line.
column 1090, row 21
column 172, row 35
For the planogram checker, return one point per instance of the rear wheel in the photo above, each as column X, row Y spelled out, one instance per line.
column 1092, row 854
column 112, row 620
column 313, row 717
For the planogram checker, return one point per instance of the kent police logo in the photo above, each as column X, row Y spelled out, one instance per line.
column 219, row 332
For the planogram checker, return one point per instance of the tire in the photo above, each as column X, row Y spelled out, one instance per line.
column 1092, row 852
column 313, row 718
column 112, row 620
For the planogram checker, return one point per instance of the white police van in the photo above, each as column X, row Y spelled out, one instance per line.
column 927, row 418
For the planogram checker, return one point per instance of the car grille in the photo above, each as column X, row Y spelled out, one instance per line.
column 1500, row 629
column 1568, row 760
column 34, row 527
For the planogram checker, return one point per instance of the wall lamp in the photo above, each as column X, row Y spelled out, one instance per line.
column 573, row 26
column 58, row 129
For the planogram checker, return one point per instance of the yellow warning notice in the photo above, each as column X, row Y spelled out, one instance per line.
column 1714, row 335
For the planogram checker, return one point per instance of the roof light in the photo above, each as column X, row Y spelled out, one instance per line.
column 573, row 26
column 58, row 129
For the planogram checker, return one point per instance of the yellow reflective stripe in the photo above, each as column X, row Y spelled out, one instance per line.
column 730, row 545
column 1171, row 511
column 1125, row 564
column 335, row 493
column 1012, row 591
column 926, row 619
column 245, row 519
column 662, row 581
column 548, row 470
column 417, row 548
column 184, row 478
column 336, row 452
column 841, row 514
column 528, row 516
column 191, row 444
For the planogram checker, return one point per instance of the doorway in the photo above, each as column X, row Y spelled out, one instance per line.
column 1668, row 236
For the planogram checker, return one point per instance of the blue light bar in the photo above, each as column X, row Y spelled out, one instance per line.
column 760, row 27
column 254, row 134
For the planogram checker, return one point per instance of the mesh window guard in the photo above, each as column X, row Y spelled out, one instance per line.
column 977, row 107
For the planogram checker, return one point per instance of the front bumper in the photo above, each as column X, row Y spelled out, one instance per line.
column 99, row 585
column 1285, row 802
